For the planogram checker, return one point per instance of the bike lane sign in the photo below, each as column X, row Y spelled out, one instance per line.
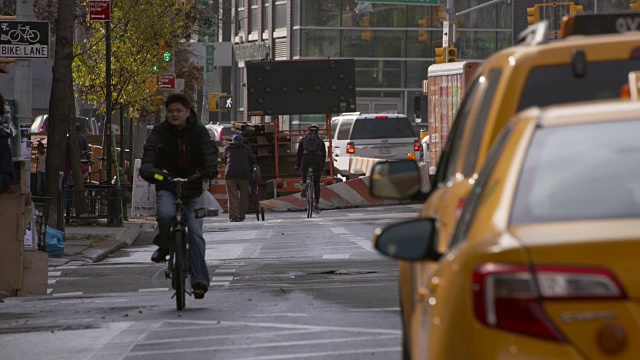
column 24, row 39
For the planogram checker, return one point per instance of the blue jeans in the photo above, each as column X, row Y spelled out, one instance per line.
column 165, row 214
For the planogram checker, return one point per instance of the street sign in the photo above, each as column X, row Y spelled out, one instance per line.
column 406, row 2
column 180, row 85
column 167, row 82
column 100, row 10
column 24, row 39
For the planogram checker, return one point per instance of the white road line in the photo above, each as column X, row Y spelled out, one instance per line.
column 69, row 294
column 266, row 345
column 376, row 309
column 367, row 245
column 219, row 283
column 51, row 281
column 339, row 230
column 335, row 256
column 153, row 289
column 211, row 337
column 55, row 273
column 221, row 278
column 67, row 267
column 285, row 314
column 285, row 326
column 49, row 291
column 224, row 271
column 326, row 354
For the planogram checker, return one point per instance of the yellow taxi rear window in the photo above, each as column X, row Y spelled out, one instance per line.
column 549, row 85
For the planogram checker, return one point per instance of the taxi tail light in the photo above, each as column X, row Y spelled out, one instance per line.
column 42, row 127
column 351, row 148
column 459, row 208
column 509, row 297
column 416, row 145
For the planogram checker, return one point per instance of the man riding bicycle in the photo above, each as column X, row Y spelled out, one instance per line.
column 180, row 147
column 311, row 154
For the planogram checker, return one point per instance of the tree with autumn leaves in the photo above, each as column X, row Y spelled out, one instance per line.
column 140, row 31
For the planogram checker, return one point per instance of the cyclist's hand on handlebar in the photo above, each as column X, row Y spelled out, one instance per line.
column 160, row 175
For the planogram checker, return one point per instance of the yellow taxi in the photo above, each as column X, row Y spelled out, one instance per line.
column 543, row 263
column 535, row 72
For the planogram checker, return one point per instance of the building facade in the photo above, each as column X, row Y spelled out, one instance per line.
column 392, row 44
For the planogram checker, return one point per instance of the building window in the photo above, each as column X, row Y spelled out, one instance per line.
column 379, row 74
column 265, row 15
column 280, row 21
column 319, row 43
column 320, row 13
column 373, row 43
column 253, row 23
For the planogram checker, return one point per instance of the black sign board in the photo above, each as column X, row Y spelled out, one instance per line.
column 24, row 39
column 300, row 87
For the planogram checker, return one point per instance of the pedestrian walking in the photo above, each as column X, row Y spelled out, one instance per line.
column 240, row 160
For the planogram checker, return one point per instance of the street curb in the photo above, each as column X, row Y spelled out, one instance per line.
column 123, row 239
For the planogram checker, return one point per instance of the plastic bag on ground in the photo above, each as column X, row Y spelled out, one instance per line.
column 54, row 242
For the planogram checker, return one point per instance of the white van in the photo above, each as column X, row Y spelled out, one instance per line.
column 376, row 135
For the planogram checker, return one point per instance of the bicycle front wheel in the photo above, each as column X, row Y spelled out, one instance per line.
column 180, row 268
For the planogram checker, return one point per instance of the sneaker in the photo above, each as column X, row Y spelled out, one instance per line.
column 160, row 255
column 303, row 193
column 199, row 290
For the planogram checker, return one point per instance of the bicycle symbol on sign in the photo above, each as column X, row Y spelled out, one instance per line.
column 24, row 32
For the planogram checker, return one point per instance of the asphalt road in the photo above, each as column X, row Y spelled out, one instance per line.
column 285, row 288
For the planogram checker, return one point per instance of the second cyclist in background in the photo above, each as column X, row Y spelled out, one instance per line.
column 311, row 154
column 181, row 147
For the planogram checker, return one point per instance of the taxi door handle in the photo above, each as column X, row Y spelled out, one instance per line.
column 421, row 294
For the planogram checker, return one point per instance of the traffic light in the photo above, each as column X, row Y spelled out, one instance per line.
column 634, row 5
column 213, row 102
column 574, row 9
column 365, row 35
column 166, row 56
column 452, row 53
column 441, row 56
column 225, row 102
column 423, row 35
column 533, row 15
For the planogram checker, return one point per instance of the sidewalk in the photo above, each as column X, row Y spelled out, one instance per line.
column 87, row 244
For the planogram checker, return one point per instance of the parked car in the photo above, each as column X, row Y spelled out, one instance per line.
column 379, row 135
column 219, row 131
column 535, row 72
column 87, row 127
column 543, row 261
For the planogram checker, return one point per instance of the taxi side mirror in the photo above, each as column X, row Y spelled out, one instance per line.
column 412, row 240
column 395, row 180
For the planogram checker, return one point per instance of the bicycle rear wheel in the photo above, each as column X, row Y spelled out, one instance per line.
column 310, row 200
column 180, row 268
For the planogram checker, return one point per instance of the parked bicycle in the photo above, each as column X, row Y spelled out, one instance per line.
column 178, row 263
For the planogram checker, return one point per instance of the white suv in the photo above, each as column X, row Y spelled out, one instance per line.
column 376, row 135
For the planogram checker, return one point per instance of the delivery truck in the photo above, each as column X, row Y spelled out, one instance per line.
column 446, row 85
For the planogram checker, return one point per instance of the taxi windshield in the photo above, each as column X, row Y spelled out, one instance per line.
column 577, row 172
column 549, row 85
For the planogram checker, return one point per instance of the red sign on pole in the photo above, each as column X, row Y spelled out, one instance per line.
column 167, row 82
column 100, row 10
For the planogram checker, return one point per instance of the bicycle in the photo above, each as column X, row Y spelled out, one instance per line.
column 178, row 263
column 311, row 203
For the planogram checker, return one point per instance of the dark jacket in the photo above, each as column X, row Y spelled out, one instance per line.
column 315, row 159
column 181, row 153
column 239, row 159
column 7, row 177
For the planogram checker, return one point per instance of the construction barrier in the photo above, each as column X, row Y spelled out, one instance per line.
column 348, row 194
column 219, row 189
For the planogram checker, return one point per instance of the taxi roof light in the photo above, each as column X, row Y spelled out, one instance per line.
column 598, row 24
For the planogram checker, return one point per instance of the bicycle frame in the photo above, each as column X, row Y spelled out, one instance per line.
column 178, row 276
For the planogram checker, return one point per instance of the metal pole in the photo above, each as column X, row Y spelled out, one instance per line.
column 107, row 121
column 24, row 95
column 122, row 147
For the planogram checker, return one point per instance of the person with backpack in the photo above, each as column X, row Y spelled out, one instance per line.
column 311, row 154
